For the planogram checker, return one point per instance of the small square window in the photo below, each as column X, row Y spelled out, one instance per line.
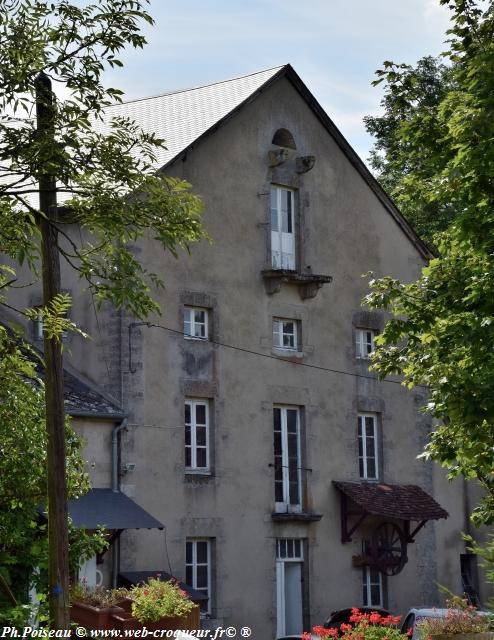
column 364, row 343
column 195, row 323
column 285, row 334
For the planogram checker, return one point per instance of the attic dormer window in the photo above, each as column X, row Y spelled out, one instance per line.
column 283, row 138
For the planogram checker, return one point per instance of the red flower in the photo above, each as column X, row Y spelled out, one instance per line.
column 410, row 632
column 145, row 592
column 345, row 627
column 375, row 618
column 306, row 635
column 325, row 633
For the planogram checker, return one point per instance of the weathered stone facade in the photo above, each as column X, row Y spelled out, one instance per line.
column 344, row 227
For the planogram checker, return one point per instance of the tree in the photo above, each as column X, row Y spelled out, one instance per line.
column 58, row 149
column 411, row 104
column 442, row 331
column 23, row 543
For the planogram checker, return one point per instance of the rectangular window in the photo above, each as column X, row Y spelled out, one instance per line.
column 368, row 446
column 195, row 323
column 372, row 588
column 285, row 334
column 287, row 476
column 196, row 434
column 289, row 595
column 198, row 569
column 364, row 343
column 282, row 228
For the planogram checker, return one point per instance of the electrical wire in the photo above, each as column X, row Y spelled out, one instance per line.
column 152, row 325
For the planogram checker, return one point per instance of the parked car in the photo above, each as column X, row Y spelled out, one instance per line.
column 414, row 616
column 343, row 616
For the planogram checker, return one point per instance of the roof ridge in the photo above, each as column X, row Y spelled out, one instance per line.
column 202, row 86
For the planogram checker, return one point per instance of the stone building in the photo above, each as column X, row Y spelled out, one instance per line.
column 246, row 419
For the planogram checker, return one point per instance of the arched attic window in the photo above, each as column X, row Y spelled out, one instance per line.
column 283, row 138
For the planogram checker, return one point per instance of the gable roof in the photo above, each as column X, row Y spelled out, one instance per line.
column 183, row 118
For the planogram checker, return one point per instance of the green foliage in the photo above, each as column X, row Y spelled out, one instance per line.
column 23, row 539
column 106, row 172
column 461, row 618
column 97, row 596
column 410, row 147
column 156, row 599
column 485, row 552
column 442, row 331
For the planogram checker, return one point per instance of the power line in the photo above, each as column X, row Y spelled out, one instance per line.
column 262, row 355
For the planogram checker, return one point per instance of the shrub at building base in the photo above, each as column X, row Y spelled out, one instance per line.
column 462, row 622
column 364, row 626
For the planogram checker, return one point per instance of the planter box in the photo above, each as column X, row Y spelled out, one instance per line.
column 123, row 620
column 92, row 617
column 486, row 635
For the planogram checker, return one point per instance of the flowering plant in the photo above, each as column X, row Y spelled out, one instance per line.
column 156, row 599
column 461, row 617
column 364, row 626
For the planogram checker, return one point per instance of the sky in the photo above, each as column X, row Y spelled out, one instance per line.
column 334, row 45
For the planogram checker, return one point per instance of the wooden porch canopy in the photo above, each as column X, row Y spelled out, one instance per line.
column 406, row 502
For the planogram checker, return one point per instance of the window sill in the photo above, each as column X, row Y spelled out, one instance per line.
column 198, row 472
column 308, row 283
column 286, row 516
column 289, row 354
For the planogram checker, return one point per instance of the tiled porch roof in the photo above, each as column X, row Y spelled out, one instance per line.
column 403, row 501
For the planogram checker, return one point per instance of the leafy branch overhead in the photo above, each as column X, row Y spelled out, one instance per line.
column 442, row 331
column 107, row 171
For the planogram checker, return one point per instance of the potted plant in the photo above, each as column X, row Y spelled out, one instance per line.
column 163, row 605
column 92, row 607
column 462, row 620
column 364, row 626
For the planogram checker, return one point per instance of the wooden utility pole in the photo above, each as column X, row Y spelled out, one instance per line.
column 58, row 540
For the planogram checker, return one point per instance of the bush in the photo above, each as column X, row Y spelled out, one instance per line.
column 156, row 599
column 365, row 626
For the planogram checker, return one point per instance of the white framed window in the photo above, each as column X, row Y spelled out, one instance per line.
column 368, row 446
column 285, row 334
column 282, row 228
column 364, row 343
column 289, row 595
column 195, row 323
column 198, row 568
column 196, row 434
column 287, row 464
column 372, row 588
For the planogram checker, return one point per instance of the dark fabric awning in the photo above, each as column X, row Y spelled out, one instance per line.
column 129, row 578
column 403, row 501
column 110, row 509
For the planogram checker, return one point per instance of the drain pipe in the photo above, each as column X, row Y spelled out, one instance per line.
column 115, row 485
